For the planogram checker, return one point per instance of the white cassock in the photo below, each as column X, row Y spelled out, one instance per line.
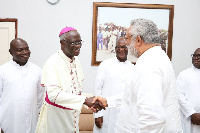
column 188, row 83
column 111, row 77
column 62, row 78
column 21, row 97
column 150, row 102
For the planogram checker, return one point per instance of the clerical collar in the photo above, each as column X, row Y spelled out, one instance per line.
column 65, row 57
column 15, row 63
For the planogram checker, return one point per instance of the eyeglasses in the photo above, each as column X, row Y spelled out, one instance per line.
column 196, row 56
column 74, row 43
column 119, row 47
column 126, row 37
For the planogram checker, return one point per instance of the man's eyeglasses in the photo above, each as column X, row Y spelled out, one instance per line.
column 74, row 43
column 196, row 56
column 119, row 47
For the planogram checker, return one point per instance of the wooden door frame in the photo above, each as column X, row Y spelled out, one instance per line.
column 11, row 20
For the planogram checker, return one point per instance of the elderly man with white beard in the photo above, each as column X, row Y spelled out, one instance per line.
column 150, row 101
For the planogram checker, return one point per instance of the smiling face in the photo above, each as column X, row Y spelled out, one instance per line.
column 72, row 37
column 121, row 50
column 196, row 60
column 20, row 51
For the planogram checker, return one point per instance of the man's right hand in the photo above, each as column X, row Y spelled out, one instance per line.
column 95, row 106
column 102, row 100
column 99, row 121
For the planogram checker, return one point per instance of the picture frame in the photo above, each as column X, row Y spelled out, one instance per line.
column 117, row 17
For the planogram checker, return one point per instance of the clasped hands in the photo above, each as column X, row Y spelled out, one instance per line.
column 96, row 103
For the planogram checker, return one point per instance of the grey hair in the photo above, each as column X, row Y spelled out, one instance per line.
column 63, row 36
column 146, row 29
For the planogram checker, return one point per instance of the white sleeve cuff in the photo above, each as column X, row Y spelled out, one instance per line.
column 98, row 114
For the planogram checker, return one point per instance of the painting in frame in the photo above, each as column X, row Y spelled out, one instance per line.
column 111, row 20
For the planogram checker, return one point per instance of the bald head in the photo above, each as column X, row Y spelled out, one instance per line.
column 20, row 51
column 120, row 40
column 16, row 41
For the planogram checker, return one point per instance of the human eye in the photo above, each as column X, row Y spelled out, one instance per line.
column 76, row 43
column 19, row 50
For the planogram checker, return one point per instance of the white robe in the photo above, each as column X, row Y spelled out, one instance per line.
column 150, row 102
column 188, row 83
column 62, row 78
column 21, row 97
column 111, row 77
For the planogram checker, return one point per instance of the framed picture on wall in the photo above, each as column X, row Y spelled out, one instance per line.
column 111, row 20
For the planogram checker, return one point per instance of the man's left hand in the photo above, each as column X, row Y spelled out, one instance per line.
column 195, row 118
column 99, row 121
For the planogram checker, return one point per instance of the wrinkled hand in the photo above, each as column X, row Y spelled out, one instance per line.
column 102, row 100
column 95, row 106
column 99, row 121
column 195, row 118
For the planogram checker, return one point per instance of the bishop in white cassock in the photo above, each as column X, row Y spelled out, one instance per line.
column 62, row 77
column 188, row 83
column 21, row 95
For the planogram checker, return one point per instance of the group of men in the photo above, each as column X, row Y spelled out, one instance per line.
column 138, row 98
column 108, row 37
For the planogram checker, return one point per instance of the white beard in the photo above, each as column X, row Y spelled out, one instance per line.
column 133, row 50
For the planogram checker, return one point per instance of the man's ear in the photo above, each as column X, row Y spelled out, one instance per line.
column 139, row 41
column 61, row 43
column 10, row 51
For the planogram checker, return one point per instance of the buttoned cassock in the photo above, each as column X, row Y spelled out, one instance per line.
column 21, row 97
column 62, row 79
column 110, row 80
column 188, row 83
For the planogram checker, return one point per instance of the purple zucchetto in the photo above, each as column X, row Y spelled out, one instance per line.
column 66, row 29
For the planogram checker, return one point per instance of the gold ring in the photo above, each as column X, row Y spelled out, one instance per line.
column 97, row 108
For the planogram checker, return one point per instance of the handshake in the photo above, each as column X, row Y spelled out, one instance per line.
column 96, row 103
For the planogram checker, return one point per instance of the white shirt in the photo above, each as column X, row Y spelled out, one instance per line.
column 188, row 83
column 150, row 103
column 21, row 97
column 62, row 78
column 111, row 77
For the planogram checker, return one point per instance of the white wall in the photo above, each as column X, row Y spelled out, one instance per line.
column 39, row 23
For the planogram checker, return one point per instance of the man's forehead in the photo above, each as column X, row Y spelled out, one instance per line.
column 197, row 51
column 129, row 30
column 73, row 36
column 121, row 42
column 72, row 33
column 19, row 43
